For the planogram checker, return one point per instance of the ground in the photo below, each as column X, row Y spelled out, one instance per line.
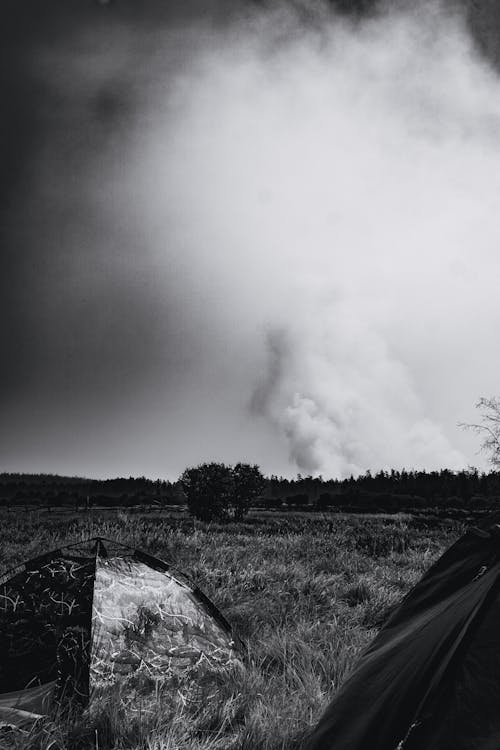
column 306, row 592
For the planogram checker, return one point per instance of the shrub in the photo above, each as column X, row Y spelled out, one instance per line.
column 216, row 492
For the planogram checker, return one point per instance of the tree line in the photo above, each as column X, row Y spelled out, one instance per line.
column 223, row 492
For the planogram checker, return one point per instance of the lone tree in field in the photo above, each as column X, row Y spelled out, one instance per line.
column 248, row 483
column 217, row 492
column 488, row 427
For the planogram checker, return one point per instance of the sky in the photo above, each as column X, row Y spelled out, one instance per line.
column 260, row 232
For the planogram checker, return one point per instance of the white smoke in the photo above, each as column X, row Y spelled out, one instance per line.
column 322, row 201
column 344, row 403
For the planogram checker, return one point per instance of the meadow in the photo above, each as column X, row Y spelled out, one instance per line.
column 305, row 592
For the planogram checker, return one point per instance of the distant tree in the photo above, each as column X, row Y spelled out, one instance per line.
column 207, row 488
column 247, row 484
column 488, row 427
column 215, row 491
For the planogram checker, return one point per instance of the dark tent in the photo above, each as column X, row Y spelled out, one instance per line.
column 98, row 621
column 430, row 680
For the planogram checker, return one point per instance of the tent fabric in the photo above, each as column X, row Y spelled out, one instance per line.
column 431, row 677
column 23, row 707
column 45, row 622
column 97, row 620
column 149, row 628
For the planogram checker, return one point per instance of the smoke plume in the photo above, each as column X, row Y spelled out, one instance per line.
column 331, row 188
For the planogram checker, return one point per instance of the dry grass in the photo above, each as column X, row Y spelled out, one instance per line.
column 305, row 600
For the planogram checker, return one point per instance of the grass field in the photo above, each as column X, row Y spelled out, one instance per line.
column 306, row 593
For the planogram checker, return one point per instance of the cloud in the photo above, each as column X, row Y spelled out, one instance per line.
column 327, row 195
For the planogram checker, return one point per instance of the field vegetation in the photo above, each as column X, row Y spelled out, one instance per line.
column 305, row 591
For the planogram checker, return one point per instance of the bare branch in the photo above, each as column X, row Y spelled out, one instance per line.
column 488, row 428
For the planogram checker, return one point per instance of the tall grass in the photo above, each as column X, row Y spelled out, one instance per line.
column 304, row 594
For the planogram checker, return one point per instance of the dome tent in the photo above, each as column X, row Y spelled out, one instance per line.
column 431, row 677
column 98, row 620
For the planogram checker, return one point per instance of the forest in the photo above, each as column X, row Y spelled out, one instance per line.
column 384, row 491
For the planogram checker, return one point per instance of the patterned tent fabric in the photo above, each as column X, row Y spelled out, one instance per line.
column 148, row 629
column 45, row 625
column 99, row 620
